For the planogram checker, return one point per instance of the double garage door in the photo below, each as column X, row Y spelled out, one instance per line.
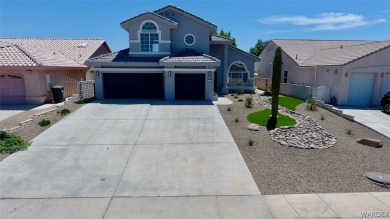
column 151, row 86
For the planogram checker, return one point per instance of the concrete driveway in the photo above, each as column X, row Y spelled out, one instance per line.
column 129, row 160
column 373, row 118
column 7, row 111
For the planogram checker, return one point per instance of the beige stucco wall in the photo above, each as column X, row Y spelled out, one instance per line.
column 35, row 81
column 377, row 63
column 335, row 77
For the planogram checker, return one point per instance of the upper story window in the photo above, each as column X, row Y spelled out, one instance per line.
column 149, row 38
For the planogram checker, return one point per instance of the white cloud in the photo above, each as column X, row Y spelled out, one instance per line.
column 323, row 21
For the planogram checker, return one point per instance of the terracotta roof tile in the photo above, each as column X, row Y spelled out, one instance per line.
column 48, row 52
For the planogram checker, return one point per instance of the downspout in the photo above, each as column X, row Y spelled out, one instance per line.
column 224, row 69
column 315, row 76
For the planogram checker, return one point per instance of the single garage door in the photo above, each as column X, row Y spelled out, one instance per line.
column 189, row 86
column 149, row 85
column 386, row 84
column 12, row 89
column 361, row 87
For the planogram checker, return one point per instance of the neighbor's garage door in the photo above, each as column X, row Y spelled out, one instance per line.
column 149, row 85
column 386, row 84
column 12, row 89
column 361, row 87
column 189, row 86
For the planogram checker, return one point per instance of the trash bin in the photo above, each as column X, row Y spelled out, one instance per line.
column 58, row 93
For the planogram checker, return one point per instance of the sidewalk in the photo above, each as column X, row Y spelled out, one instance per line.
column 331, row 205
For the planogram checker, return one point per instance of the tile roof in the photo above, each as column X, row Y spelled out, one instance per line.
column 122, row 56
column 190, row 55
column 151, row 13
column 220, row 38
column 244, row 53
column 329, row 52
column 12, row 55
column 47, row 52
column 185, row 12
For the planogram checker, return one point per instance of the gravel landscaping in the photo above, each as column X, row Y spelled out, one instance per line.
column 279, row 169
column 33, row 129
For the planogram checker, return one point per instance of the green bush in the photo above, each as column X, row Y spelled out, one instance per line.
column 236, row 96
column 251, row 142
column 82, row 101
column 236, row 119
column 311, row 104
column 64, row 111
column 44, row 122
column 249, row 102
column 11, row 143
column 229, row 109
column 240, row 100
column 322, row 117
column 348, row 131
column 239, row 91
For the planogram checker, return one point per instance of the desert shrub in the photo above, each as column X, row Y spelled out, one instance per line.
column 44, row 122
column 64, row 111
column 249, row 102
column 11, row 143
column 311, row 104
column 240, row 100
column 348, row 131
column 236, row 119
column 251, row 142
column 239, row 91
column 229, row 108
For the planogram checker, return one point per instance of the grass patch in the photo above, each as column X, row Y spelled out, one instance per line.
column 289, row 102
column 11, row 143
column 262, row 117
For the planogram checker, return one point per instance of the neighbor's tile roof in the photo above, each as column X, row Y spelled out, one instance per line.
column 185, row 12
column 329, row 52
column 189, row 55
column 47, row 52
column 122, row 56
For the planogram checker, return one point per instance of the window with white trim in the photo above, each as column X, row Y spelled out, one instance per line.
column 238, row 75
column 149, row 38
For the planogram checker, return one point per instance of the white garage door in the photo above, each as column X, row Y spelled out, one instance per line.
column 386, row 84
column 361, row 87
column 12, row 89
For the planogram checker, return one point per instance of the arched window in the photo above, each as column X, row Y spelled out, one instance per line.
column 238, row 74
column 149, row 38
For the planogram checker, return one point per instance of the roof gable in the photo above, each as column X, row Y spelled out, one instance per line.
column 161, row 11
column 125, row 24
column 329, row 52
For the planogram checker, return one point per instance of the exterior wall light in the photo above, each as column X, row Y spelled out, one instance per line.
column 97, row 73
column 346, row 74
column 169, row 73
column 209, row 74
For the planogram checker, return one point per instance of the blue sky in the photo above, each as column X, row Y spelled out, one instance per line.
column 248, row 20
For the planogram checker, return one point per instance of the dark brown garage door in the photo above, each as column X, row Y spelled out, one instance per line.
column 190, row 86
column 133, row 85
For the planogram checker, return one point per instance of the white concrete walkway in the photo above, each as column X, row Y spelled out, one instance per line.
column 123, row 160
column 334, row 205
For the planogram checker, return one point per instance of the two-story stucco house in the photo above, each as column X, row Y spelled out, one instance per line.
column 172, row 55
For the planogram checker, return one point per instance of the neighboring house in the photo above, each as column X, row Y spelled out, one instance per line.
column 29, row 67
column 357, row 72
column 172, row 54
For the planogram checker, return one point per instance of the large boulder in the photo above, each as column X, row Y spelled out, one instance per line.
column 370, row 142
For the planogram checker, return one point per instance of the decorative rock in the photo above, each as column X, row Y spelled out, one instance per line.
column 379, row 178
column 307, row 133
column 253, row 127
column 370, row 142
